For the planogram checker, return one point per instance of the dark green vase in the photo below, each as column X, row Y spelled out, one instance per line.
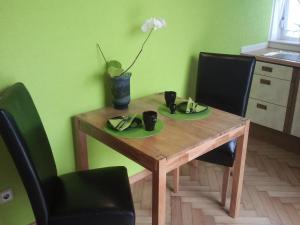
column 121, row 91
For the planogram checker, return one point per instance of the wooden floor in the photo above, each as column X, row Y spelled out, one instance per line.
column 271, row 193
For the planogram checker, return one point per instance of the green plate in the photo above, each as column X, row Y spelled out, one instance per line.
column 138, row 132
column 164, row 110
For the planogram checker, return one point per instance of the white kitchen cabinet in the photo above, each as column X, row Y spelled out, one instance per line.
column 266, row 114
column 269, row 95
column 295, row 130
column 270, row 90
column 274, row 70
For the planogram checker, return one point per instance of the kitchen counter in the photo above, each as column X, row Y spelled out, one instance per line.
column 274, row 100
column 271, row 55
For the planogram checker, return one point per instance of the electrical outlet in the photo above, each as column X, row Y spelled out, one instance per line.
column 6, row 196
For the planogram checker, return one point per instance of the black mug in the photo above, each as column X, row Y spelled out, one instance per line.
column 172, row 108
column 170, row 97
column 149, row 118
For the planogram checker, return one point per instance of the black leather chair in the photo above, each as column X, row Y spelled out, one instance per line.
column 224, row 82
column 93, row 197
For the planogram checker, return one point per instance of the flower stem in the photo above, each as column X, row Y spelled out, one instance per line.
column 138, row 53
column 102, row 53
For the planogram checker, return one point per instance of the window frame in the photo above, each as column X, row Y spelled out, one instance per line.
column 277, row 34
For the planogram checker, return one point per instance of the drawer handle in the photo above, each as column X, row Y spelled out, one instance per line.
column 264, row 81
column 267, row 69
column 261, row 106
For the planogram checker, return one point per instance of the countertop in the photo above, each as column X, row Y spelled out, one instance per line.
column 259, row 55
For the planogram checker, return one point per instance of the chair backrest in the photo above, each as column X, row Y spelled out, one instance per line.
column 26, row 140
column 224, row 81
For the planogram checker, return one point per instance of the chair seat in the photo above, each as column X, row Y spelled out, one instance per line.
column 93, row 197
column 223, row 155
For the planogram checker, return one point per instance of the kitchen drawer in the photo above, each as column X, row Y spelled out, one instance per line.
column 273, row 70
column 266, row 114
column 270, row 89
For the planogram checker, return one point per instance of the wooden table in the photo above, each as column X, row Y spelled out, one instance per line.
column 178, row 143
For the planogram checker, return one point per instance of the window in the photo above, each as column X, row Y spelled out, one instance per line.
column 286, row 21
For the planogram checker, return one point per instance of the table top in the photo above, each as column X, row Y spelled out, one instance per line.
column 177, row 136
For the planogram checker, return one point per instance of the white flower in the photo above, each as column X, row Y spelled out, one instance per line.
column 153, row 23
column 114, row 67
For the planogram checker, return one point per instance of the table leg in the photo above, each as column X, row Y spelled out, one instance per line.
column 176, row 175
column 159, row 195
column 80, row 146
column 238, row 173
column 226, row 175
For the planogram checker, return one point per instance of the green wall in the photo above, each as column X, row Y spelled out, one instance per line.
column 51, row 47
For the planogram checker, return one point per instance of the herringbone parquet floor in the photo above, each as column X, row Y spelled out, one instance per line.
column 271, row 194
